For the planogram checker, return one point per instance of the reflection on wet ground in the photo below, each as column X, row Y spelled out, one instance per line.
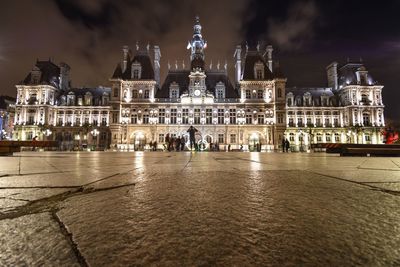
column 199, row 209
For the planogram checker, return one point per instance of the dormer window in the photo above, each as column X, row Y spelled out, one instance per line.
column 259, row 70
column 289, row 100
column 174, row 90
column 220, row 90
column 88, row 99
column 35, row 75
column 136, row 70
column 307, row 99
column 71, row 99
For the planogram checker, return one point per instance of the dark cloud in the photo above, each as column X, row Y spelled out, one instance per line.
column 296, row 28
column 307, row 35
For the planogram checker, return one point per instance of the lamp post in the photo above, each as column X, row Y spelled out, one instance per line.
column 301, row 140
column 47, row 133
column 94, row 133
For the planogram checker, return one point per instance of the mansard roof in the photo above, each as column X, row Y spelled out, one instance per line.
column 315, row 93
column 251, row 58
column 347, row 74
column 181, row 77
column 97, row 91
column 50, row 74
column 143, row 58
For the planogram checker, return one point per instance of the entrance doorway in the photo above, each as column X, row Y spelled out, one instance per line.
column 139, row 141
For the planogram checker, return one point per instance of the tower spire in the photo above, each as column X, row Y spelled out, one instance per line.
column 197, row 44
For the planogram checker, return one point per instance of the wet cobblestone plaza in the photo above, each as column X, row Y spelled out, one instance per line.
column 180, row 209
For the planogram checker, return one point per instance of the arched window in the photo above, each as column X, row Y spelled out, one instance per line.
column 136, row 70
column 220, row 90
column 279, row 92
column 174, row 90
column 259, row 70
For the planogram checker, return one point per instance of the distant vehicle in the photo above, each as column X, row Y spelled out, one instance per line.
column 390, row 136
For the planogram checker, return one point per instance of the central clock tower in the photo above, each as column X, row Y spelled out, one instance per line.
column 197, row 85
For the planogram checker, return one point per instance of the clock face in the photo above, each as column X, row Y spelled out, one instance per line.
column 197, row 92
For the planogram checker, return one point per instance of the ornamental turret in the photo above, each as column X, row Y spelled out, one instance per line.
column 197, row 46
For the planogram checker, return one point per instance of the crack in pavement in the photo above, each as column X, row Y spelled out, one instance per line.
column 372, row 187
column 52, row 205
column 69, row 237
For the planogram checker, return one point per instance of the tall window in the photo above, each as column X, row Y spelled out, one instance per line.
column 136, row 70
column 259, row 70
column 280, row 118
column 136, row 74
column 279, row 92
column 366, row 119
column 173, row 115
column 337, row 137
column 146, row 93
column 260, row 94
column 174, row 93
column 233, row 139
column 196, row 116
column 248, row 94
column 145, row 118
column 134, row 118
column 220, row 116
column 221, row 138
column 328, row 137
column 232, row 116
column 208, row 116
column 259, row 74
column 249, row 118
column 161, row 138
column 260, row 119
column 161, row 116
column 185, row 116
column 220, row 90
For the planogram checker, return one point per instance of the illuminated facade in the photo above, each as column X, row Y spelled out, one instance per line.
column 245, row 114
column 255, row 111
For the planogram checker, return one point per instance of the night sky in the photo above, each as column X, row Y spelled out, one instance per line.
column 306, row 35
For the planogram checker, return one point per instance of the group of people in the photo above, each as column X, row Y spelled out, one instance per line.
column 285, row 145
column 178, row 143
column 174, row 143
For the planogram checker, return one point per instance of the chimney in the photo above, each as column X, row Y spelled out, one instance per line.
column 125, row 50
column 64, row 76
column 331, row 72
column 269, row 56
column 157, row 57
column 238, row 63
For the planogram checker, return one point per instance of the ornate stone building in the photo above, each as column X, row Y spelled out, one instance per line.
column 47, row 108
column 245, row 113
column 350, row 110
column 254, row 111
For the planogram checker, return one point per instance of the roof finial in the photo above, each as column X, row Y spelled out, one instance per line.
column 218, row 65
column 226, row 65
column 183, row 64
column 137, row 45
column 176, row 64
column 211, row 64
column 169, row 65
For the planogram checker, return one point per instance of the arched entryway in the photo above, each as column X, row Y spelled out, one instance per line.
column 255, row 141
column 138, row 140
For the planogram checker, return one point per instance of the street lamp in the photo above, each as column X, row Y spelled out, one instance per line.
column 301, row 140
column 47, row 133
column 94, row 133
